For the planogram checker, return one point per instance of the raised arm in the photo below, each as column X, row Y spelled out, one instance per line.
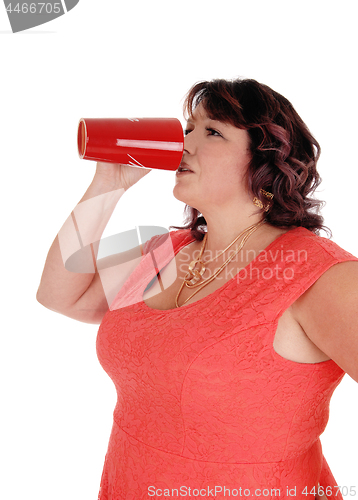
column 76, row 291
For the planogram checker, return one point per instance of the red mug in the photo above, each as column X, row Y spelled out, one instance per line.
column 139, row 142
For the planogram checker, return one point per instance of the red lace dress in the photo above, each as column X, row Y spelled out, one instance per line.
column 204, row 401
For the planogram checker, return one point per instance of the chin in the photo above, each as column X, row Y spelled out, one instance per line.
column 181, row 193
column 179, row 196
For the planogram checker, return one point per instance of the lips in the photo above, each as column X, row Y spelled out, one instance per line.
column 184, row 167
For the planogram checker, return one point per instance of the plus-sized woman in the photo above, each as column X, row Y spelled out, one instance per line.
column 226, row 337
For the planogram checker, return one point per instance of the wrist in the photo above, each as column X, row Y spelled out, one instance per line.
column 106, row 183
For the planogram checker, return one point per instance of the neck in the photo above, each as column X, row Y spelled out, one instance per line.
column 220, row 233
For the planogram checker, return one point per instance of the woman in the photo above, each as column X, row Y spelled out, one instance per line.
column 226, row 352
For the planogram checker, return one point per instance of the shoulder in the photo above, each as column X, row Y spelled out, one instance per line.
column 338, row 285
column 315, row 244
column 339, row 274
column 177, row 238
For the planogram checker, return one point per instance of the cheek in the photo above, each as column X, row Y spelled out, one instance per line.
column 229, row 182
column 225, row 170
column 242, row 165
column 224, row 185
column 230, row 173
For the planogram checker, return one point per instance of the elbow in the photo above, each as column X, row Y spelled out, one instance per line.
column 78, row 314
column 39, row 297
column 42, row 300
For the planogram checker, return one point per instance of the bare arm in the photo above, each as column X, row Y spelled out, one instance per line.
column 65, row 291
column 328, row 313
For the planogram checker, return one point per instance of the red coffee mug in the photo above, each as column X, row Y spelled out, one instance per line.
column 140, row 142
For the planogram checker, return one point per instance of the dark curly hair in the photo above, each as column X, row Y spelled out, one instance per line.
column 284, row 152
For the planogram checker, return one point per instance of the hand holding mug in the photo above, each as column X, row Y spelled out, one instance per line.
column 118, row 175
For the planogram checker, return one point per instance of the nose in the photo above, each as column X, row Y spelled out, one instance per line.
column 189, row 143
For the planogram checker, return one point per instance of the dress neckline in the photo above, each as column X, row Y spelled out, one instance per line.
column 211, row 296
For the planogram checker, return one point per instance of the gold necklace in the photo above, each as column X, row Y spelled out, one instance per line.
column 194, row 276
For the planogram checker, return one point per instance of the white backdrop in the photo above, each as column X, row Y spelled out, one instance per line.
column 117, row 59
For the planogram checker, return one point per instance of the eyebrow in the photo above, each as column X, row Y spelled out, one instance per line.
column 192, row 119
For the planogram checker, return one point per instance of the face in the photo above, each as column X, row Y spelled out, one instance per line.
column 217, row 154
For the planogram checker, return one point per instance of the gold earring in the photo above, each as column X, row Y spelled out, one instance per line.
column 259, row 203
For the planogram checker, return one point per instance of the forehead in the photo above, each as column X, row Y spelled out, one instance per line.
column 200, row 115
column 223, row 114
